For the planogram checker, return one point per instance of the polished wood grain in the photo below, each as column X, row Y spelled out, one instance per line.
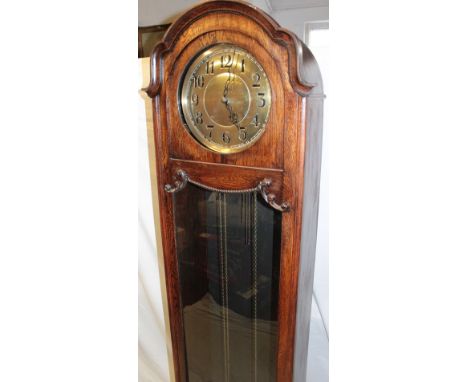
column 284, row 153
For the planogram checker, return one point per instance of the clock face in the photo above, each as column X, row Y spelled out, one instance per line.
column 225, row 99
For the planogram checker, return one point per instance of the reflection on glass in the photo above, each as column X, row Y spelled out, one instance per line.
column 228, row 248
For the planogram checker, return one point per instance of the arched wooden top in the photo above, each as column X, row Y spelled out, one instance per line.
column 303, row 71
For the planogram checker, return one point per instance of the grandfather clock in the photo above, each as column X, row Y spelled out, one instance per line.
column 237, row 107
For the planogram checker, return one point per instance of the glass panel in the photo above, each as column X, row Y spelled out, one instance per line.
column 228, row 251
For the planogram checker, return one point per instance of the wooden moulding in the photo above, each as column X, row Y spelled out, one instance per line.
column 230, row 177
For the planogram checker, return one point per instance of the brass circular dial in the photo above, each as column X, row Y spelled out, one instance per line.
column 226, row 99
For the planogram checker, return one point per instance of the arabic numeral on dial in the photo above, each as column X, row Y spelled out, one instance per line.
column 209, row 136
column 198, row 81
column 198, row 118
column 226, row 137
column 242, row 134
column 255, row 120
column 256, row 80
column 195, row 99
column 209, row 67
column 262, row 101
column 226, row 61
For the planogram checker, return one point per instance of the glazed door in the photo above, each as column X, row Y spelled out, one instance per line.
column 228, row 254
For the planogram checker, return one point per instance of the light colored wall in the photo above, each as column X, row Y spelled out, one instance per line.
column 155, row 12
column 295, row 19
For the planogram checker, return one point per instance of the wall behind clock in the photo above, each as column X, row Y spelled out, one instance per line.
column 295, row 15
column 152, row 12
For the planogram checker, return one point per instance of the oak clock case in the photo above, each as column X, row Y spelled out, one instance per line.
column 237, row 116
column 225, row 99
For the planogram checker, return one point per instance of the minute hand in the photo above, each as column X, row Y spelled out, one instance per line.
column 225, row 100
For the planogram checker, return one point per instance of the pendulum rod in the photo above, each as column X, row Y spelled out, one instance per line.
column 249, row 218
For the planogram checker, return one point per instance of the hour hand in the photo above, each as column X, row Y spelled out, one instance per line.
column 232, row 114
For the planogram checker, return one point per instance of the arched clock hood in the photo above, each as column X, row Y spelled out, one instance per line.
column 303, row 69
